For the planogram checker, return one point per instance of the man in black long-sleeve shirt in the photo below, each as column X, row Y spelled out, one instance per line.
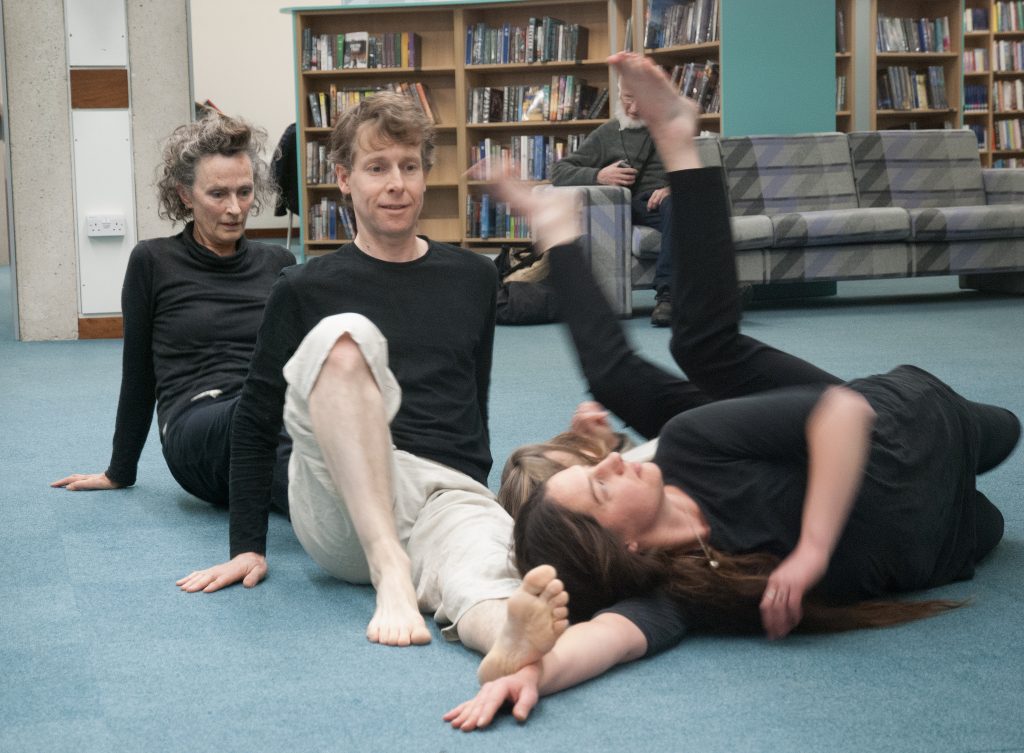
column 385, row 348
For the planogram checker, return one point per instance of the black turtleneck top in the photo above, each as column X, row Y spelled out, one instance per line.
column 190, row 323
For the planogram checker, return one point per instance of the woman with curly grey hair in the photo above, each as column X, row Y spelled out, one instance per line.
column 192, row 304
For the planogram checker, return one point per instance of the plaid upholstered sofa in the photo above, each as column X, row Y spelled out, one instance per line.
column 833, row 206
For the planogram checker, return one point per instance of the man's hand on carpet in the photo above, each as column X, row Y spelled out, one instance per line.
column 86, row 482
column 248, row 567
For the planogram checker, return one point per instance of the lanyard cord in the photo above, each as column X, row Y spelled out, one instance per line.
column 643, row 148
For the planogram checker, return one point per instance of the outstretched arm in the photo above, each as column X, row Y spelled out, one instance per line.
column 584, row 651
column 838, row 441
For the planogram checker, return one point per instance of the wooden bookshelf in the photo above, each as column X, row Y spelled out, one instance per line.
column 845, row 65
column 888, row 59
column 676, row 44
column 977, row 72
column 449, row 81
column 1006, row 106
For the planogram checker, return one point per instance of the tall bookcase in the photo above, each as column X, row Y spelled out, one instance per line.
column 1006, row 85
column 448, row 78
column 977, row 71
column 845, row 73
column 921, row 87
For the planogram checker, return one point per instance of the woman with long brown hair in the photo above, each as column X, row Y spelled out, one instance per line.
column 771, row 507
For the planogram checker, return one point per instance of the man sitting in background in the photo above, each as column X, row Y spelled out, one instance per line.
column 621, row 153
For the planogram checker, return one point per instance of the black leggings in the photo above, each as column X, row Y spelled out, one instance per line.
column 197, row 448
column 706, row 341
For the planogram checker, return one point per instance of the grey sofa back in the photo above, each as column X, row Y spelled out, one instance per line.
column 780, row 174
column 917, row 169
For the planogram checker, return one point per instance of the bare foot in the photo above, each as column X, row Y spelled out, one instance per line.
column 537, row 615
column 397, row 620
column 670, row 117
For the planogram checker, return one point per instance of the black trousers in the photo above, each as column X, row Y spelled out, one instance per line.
column 197, row 448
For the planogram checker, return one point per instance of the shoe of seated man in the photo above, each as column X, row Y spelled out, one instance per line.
column 662, row 314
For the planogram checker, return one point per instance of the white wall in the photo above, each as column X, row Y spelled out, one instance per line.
column 242, row 62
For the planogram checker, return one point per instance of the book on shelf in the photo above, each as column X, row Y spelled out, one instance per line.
column 542, row 40
column 913, row 35
column 975, row 60
column 901, row 88
column 668, row 23
column 1009, row 16
column 627, row 37
column 699, row 82
column 316, row 116
column 840, row 30
column 356, row 49
column 976, row 97
column 840, row 93
column 981, row 133
column 318, row 170
column 567, row 97
column 976, row 19
column 528, row 156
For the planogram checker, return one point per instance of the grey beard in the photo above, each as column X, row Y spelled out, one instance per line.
column 627, row 123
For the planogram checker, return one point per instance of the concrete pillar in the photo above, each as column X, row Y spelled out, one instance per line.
column 40, row 140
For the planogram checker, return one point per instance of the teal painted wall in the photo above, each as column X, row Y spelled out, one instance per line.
column 778, row 66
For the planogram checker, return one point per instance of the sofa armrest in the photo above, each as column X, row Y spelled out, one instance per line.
column 1003, row 185
column 607, row 228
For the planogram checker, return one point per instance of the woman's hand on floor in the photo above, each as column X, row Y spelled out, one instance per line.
column 86, row 482
column 520, row 689
column 248, row 567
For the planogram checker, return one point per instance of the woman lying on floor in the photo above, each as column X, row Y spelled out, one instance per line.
column 192, row 304
column 775, row 507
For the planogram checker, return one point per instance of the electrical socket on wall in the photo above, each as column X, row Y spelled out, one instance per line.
column 104, row 224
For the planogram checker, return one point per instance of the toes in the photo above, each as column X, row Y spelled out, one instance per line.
column 538, row 579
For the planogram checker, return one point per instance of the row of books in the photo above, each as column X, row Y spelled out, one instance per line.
column 1008, row 162
column 330, row 220
column 318, row 168
column 1008, row 95
column 669, row 23
column 699, row 82
column 840, row 93
column 565, row 98
column 975, row 98
column 486, row 217
column 913, row 35
column 976, row 60
column 529, row 157
column 1008, row 56
column 326, row 107
column 841, row 45
column 542, row 40
column 976, row 19
column 1009, row 134
column 901, row 88
column 359, row 49
column 981, row 133
column 1010, row 15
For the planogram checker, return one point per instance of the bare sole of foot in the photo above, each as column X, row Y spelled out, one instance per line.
column 671, row 118
column 537, row 614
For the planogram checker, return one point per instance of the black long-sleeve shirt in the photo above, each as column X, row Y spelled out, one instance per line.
column 437, row 313
column 190, row 322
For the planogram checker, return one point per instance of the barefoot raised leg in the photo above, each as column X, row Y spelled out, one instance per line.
column 670, row 117
column 358, row 460
column 537, row 614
